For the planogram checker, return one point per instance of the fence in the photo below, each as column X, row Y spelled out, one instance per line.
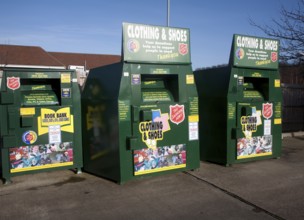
column 293, row 107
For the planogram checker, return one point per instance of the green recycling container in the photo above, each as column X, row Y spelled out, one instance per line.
column 40, row 111
column 240, row 104
column 140, row 116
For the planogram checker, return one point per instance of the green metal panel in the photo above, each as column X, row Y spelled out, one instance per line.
column 240, row 105
column 255, row 52
column 136, row 134
column 140, row 116
column 100, row 120
column 40, row 113
column 155, row 44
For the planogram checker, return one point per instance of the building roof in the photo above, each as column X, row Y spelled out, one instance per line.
column 90, row 61
column 36, row 57
column 27, row 56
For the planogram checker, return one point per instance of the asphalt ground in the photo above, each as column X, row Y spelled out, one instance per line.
column 267, row 189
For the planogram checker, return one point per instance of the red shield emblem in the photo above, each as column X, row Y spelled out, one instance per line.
column 183, row 49
column 177, row 113
column 267, row 110
column 274, row 56
column 13, row 83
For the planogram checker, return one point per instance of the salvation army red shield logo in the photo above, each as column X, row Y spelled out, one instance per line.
column 274, row 56
column 267, row 110
column 177, row 113
column 13, row 82
column 183, row 49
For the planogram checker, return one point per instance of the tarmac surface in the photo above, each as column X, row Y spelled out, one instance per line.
column 267, row 189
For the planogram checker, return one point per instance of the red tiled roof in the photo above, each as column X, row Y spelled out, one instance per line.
column 36, row 56
column 88, row 60
column 27, row 56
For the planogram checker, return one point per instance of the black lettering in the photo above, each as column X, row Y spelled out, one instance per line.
column 160, row 136
column 151, row 135
column 49, row 115
column 155, row 135
column 148, row 125
column 142, row 127
column 61, row 115
column 244, row 120
column 251, row 127
column 145, row 136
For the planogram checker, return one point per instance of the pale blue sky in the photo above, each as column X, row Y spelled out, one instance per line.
column 95, row 26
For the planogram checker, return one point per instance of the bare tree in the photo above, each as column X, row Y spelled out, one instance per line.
column 289, row 28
